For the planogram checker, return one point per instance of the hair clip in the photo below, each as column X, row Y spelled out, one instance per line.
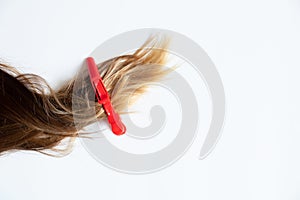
column 117, row 127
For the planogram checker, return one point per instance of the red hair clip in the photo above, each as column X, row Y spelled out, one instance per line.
column 117, row 127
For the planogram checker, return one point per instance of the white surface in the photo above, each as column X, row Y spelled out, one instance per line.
column 255, row 46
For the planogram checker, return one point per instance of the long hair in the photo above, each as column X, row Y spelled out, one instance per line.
column 35, row 117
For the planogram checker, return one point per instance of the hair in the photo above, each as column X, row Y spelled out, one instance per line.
column 35, row 117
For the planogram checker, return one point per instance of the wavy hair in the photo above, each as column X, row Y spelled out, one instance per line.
column 35, row 117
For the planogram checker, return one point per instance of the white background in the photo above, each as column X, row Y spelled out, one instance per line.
column 255, row 46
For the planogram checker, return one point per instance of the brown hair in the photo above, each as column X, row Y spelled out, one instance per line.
column 35, row 117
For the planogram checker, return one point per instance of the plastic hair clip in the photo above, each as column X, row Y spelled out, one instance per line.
column 117, row 127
